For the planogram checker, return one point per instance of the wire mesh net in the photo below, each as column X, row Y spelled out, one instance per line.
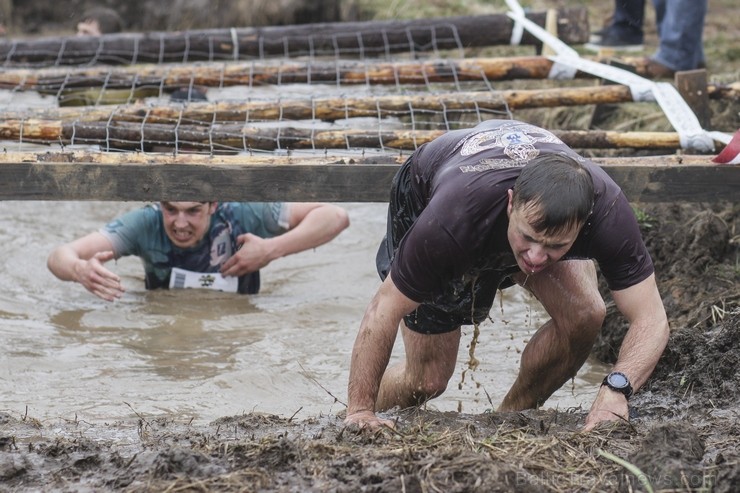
column 229, row 91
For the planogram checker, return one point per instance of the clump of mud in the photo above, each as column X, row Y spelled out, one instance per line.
column 696, row 252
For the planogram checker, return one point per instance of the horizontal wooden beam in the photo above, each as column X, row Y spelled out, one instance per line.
column 59, row 176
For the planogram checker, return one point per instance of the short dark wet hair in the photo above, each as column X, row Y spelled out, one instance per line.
column 108, row 19
column 559, row 188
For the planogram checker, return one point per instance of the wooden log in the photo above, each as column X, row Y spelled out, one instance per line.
column 135, row 136
column 154, row 177
column 347, row 72
column 330, row 109
column 163, row 78
column 371, row 38
column 724, row 91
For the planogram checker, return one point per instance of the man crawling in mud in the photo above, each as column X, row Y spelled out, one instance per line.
column 475, row 211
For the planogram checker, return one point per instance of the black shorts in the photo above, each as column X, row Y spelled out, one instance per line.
column 464, row 302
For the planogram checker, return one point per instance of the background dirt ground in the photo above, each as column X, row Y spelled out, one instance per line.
column 684, row 436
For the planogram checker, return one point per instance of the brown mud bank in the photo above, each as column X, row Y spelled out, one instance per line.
column 684, row 436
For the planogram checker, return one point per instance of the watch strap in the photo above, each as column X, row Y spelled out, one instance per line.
column 626, row 390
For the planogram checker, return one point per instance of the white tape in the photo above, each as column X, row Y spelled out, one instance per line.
column 517, row 30
column 557, row 71
column 641, row 88
column 567, row 62
column 720, row 136
column 560, row 71
column 234, row 44
column 690, row 133
column 553, row 42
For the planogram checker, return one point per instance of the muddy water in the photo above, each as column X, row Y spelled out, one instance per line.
column 64, row 353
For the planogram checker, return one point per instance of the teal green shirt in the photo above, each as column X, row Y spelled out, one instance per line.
column 141, row 232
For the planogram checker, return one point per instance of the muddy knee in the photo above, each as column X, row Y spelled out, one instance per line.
column 585, row 324
column 429, row 389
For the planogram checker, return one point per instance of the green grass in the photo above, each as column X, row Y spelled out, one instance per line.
column 644, row 219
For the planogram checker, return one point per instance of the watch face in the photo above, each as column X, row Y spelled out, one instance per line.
column 618, row 380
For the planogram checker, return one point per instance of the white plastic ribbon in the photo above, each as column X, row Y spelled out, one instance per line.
column 567, row 62
column 517, row 30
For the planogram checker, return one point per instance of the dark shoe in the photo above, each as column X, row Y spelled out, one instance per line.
column 615, row 40
column 596, row 36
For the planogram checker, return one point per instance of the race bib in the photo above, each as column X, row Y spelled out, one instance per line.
column 181, row 279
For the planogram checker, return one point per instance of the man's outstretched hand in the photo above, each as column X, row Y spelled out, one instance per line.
column 97, row 279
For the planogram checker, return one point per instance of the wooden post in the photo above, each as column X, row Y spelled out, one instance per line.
column 551, row 26
column 692, row 85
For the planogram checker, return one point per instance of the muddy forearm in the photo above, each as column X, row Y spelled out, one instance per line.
column 648, row 332
column 641, row 349
column 370, row 356
column 374, row 344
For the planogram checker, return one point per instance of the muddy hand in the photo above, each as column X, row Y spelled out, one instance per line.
column 252, row 255
column 367, row 420
column 608, row 406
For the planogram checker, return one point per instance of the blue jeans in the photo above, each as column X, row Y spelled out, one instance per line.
column 680, row 30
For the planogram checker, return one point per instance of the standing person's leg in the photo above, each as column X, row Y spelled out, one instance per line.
column 568, row 291
column 424, row 374
column 628, row 16
column 681, row 27
column 624, row 32
column 660, row 9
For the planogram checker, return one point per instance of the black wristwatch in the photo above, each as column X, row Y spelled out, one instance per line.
column 618, row 382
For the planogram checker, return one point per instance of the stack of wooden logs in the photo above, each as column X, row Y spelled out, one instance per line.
column 369, row 54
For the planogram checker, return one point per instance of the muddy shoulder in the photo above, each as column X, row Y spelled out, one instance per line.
column 684, row 434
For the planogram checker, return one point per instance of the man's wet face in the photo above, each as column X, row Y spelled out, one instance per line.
column 186, row 223
column 534, row 251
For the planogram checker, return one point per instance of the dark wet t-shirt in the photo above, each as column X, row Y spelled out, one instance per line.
column 460, row 182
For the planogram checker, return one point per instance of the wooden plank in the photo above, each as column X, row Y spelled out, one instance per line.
column 326, row 183
column 361, row 39
column 707, row 183
column 332, row 179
